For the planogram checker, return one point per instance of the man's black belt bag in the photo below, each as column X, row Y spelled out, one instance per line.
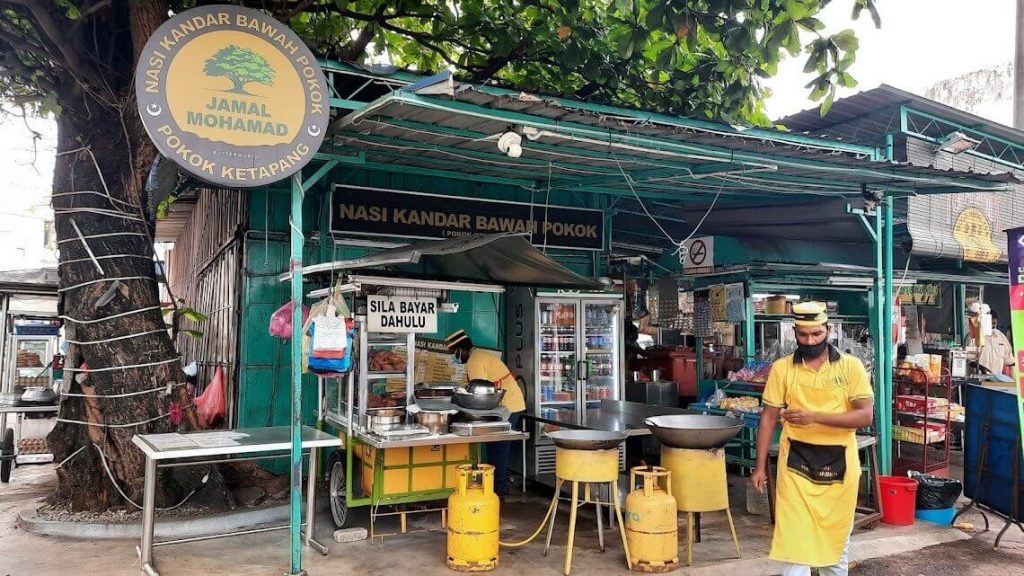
column 819, row 463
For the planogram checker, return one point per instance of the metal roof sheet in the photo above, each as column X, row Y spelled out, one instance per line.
column 876, row 112
column 506, row 259
column 589, row 148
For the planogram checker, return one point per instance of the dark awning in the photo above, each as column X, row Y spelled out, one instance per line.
column 505, row 259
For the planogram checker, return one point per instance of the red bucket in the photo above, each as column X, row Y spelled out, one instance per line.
column 899, row 499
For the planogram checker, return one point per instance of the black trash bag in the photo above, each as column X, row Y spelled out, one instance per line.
column 935, row 492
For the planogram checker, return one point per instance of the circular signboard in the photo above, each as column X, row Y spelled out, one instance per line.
column 232, row 95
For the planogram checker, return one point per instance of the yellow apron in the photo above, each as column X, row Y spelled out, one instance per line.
column 813, row 520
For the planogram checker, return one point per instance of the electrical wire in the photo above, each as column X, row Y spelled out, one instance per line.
column 111, row 317
column 115, row 339
column 105, row 425
column 91, row 282
column 110, row 368
column 103, row 459
column 126, row 394
column 629, row 182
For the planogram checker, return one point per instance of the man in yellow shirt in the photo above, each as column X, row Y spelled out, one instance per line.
column 484, row 365
column 823, row 397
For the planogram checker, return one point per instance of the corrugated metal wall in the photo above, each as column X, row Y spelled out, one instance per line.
column 932, row 221
column 264, row 361
column 204, row 270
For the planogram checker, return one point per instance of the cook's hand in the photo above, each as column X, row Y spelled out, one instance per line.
column 759, row 479
column 798, row 417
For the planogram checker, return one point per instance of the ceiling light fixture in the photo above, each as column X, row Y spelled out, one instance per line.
column 511, row 144
column 957, row 143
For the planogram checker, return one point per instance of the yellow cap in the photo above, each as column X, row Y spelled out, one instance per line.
column 454, row 338
column 810, row 314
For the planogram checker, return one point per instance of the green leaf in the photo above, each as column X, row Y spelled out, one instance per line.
column 875, row 17
column 192, row 314
column 797, row 10
column 656, row 16
column 846, row 80
column 812, row 61
column 827, row 104
column 846, row 61
column 197, row 334
column 793, row 41
column 666, row 58
column 812, row 24
column 626, row 47
column 571, row 56
column 846, row 40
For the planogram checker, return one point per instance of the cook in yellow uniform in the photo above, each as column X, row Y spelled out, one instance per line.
column 485, row 365
column 823, row 397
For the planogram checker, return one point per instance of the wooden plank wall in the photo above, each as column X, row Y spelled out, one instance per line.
column 204, row 270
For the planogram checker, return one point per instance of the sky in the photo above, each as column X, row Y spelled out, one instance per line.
column 25, row 182
column 921, row 42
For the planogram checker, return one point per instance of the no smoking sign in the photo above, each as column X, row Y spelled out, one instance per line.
column 699, row 255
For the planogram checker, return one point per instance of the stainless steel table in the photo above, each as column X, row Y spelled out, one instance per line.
column 213, row 446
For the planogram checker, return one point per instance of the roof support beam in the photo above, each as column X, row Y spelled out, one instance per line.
column 692, row 123
column 572, row 131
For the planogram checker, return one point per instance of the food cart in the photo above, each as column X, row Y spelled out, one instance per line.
column 395, row 463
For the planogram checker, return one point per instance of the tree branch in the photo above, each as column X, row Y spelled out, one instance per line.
column 496, row 63
column 358, row 48
column 19, row 69
column 50, row 29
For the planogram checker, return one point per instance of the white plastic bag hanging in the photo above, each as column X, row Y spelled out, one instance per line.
column 330, row 338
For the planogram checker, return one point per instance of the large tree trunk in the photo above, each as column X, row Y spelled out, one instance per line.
column 135, row 383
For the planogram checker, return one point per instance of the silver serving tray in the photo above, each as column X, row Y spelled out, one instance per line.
column 402, row 430
column 478, row 428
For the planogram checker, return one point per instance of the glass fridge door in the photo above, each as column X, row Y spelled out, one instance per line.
column 601, row 333
column 557, row 357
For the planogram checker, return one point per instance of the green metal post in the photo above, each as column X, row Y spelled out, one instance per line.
column 295, row 266
column 698, row 347
column 959, row 311
column 748, row 324
column 877, row 337
column 887, row 310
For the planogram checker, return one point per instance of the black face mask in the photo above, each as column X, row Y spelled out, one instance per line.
column 812, row 350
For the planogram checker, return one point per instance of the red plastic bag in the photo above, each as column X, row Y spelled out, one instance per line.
column 281, row 320
column 210, row 404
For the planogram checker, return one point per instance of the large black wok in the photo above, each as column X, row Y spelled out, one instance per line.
column 587, row 439
column 694, row 431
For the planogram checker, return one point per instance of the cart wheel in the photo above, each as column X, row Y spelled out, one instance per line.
column 339, row 499
column 7, row 452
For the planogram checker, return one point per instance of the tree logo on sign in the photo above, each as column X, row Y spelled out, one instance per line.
column 241, row 66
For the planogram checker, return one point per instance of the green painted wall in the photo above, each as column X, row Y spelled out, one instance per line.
column 264, row 361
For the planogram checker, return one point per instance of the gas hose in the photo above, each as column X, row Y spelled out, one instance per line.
column 551, row 508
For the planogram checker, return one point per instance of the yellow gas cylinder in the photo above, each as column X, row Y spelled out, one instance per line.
column 473, row 520
column 650, row 518
column 699, row 482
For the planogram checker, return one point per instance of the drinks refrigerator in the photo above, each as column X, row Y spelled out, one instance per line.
column 568, row 348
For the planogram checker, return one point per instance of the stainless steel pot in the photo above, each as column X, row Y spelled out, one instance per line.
column 384, row 419
column 479, row 386
column 694, row 431
column 587, row 439
column 436, row 422
column 39, row 395
column 479, row 401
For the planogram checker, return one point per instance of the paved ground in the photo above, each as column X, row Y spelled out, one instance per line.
column 24, row 554
column 974, row 557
